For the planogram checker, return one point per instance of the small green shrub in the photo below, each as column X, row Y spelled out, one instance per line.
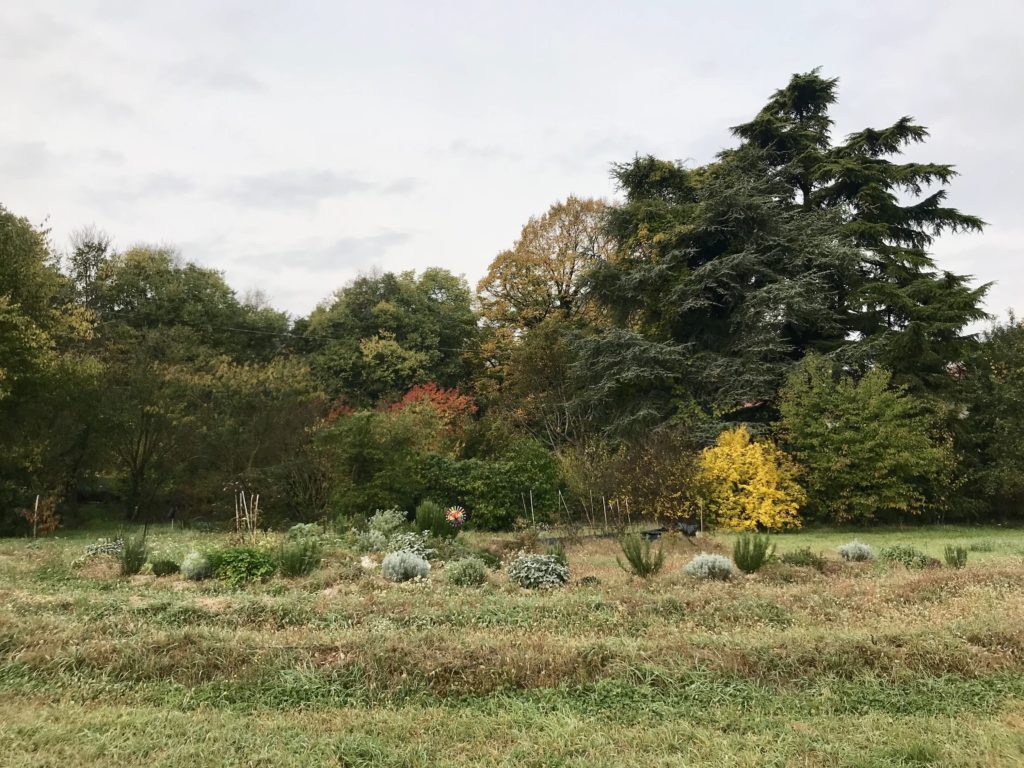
column 804, row 557
column 905, row 555
column 134, row 553
column 640, row 559
column 165, row 567
column 430, row 517
column 404, row 566
column 386, row 521
column 196, row 566
column 556, row 549
column 538, row 572
column 490, row 559
column 706, row 566
column 956, row 555
column 984, row 545
column 304, row 531
column 407, row 541
column 299, row 557
column 856, row 552
column 751, row 551
column 105, row 547
column 369, row 541
column 469, row 572
column 239, row 565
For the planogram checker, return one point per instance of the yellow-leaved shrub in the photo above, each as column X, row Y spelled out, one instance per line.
column 748, row 484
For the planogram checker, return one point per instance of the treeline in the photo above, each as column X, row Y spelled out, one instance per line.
column 764, row 340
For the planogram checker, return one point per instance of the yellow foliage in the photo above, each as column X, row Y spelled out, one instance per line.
column 748, row 484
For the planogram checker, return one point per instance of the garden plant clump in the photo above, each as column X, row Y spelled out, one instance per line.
column 468, row 572
column 905, row 555
column 538, row 572
column 955, row 555
column 164, row 567
column 856, row 552
column 404, row 566
column 641, row 560
column 196, row 566
column 751, row 551
column 709, row 566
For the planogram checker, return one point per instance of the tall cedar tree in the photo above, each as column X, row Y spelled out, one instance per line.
column 785, row 245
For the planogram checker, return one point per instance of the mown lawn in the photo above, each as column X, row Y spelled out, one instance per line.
column 862, row 665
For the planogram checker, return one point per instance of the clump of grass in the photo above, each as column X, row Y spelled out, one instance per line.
column 856, row 552
column 640, row 559
column 905, row 555
column 956, row 555
column 134, row 553
column 751, row 551
column 299, row 557
column 468, row 572
column 706, row 566
column 804, row 557
column 984, row 545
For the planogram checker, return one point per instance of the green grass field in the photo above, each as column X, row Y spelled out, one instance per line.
column 862, row 665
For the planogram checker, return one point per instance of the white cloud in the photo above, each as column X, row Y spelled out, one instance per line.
column 294, row 147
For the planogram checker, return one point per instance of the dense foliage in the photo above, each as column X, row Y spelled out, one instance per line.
column 758, row 341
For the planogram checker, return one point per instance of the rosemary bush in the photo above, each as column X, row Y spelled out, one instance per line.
column 956, row 555
column 641, row 560
column 751, row 551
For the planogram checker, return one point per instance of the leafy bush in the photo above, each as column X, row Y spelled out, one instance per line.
column 956, row 555
column 804, row 558
column 404, row 566
column 905, row 555
column 751, row 551
column 369, row 541
column 386, row 521
column 408, row 541
column 705, row 566
column 538, row 572
column 640, row 560
column 165, row 567
column 430, row 517
column 106, row 547
column 469, row 572
column 299, row 557
column 238, row 565
column 490, row 559
column 196, row 566
column 749, row 484
column 856, row 552
column 134, row 553
column 304, row 531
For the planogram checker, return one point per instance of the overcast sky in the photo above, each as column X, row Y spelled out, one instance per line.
column 293, row 145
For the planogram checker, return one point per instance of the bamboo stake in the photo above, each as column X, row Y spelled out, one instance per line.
column 35, row 517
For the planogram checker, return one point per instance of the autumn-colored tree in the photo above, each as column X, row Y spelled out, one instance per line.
column 542, row 274
column 749, row 485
